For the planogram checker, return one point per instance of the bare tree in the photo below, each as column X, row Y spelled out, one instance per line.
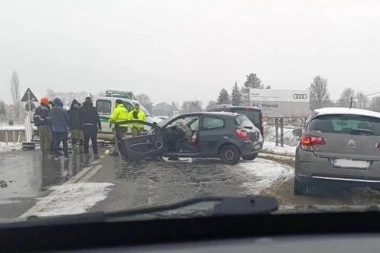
column 67, row 97
column 361, row 100
column 50, row 93
column 211, row 105
column 191, row 106
column 345, row 97
column 3, row 110
column 145, row 101
column 15, row 91
column 319, row 96
column 163, row 109
column 375, row 104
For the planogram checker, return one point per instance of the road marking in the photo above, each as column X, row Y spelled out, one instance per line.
column 55, row 195
column 90, row 174
column 78, row 176
column 70, row 199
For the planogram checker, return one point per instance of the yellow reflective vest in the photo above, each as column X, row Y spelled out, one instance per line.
column 137, row 115
column 119, row 114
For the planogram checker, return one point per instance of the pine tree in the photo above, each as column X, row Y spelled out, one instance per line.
column 236, row 95
column 224, row 97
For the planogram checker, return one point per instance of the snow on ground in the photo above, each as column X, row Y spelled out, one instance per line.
column 289, row 138
column 4, row 147
column 14, row 127
column 265, row 173
column 270, row 147
column 72, row 199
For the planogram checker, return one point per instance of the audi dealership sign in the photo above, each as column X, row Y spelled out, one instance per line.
column 281, row 103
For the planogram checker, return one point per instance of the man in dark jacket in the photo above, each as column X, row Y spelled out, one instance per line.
column 60, row 121
column 41, row 120
column 75, row 126
column 90, row 122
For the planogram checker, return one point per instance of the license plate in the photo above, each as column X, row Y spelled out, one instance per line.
column 347, row 163
column 257, row 146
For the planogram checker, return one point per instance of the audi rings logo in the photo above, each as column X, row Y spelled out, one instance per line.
column 299, row 96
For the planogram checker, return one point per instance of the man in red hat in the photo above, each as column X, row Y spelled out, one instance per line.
column 42, row 122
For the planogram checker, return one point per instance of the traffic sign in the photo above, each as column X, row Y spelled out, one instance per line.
column 32, row 105
column 29, row 96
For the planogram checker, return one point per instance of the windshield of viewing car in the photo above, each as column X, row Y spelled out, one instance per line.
column 277, row 97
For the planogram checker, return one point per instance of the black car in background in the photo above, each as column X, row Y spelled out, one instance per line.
column 228, row 136
column 253, row 113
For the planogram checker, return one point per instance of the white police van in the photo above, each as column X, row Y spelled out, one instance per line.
column 106, row 104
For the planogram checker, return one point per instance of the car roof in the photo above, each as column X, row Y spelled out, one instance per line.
column 226, row 114
column 344, row 110
column 237, row 107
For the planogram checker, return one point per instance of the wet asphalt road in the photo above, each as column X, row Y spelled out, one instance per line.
column 24, row 176
column 27, row 177
column 153, row 183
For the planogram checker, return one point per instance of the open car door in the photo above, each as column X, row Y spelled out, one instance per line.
column 150, row 145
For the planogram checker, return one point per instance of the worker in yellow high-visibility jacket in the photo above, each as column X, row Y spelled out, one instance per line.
column 120, row 131
column 136, row 114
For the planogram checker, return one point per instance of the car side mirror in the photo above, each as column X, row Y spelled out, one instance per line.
column 297, row 132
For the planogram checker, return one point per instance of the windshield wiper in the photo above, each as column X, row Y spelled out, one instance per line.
column 224, row 206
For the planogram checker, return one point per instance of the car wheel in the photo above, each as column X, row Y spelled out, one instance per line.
column 249, row 157
column 300, row 188
column 230, row 154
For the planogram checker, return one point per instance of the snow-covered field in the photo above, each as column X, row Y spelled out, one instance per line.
column 14, row 127
column 270, row 147
column 289, row 138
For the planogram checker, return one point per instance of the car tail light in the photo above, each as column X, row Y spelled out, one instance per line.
column 242, row 134
column 307, row 142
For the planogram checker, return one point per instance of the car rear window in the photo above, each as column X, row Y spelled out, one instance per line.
column 346, row 124
column 252, row 115
column 242, row 121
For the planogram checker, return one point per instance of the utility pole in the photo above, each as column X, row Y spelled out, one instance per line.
column 351, row 101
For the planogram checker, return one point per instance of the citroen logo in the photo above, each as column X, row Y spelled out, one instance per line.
column 351, row 144
column 299, row 96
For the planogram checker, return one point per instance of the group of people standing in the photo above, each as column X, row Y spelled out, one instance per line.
column 121, row 114
column 54, row 122
column 83, row 122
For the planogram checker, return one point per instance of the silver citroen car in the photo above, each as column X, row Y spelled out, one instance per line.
column 339, row 145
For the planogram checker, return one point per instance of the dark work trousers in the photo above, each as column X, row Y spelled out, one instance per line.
column 119, row 134
column 59, row 137
column 90, row 132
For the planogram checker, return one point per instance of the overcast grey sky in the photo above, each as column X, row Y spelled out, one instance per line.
column 178, row 50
